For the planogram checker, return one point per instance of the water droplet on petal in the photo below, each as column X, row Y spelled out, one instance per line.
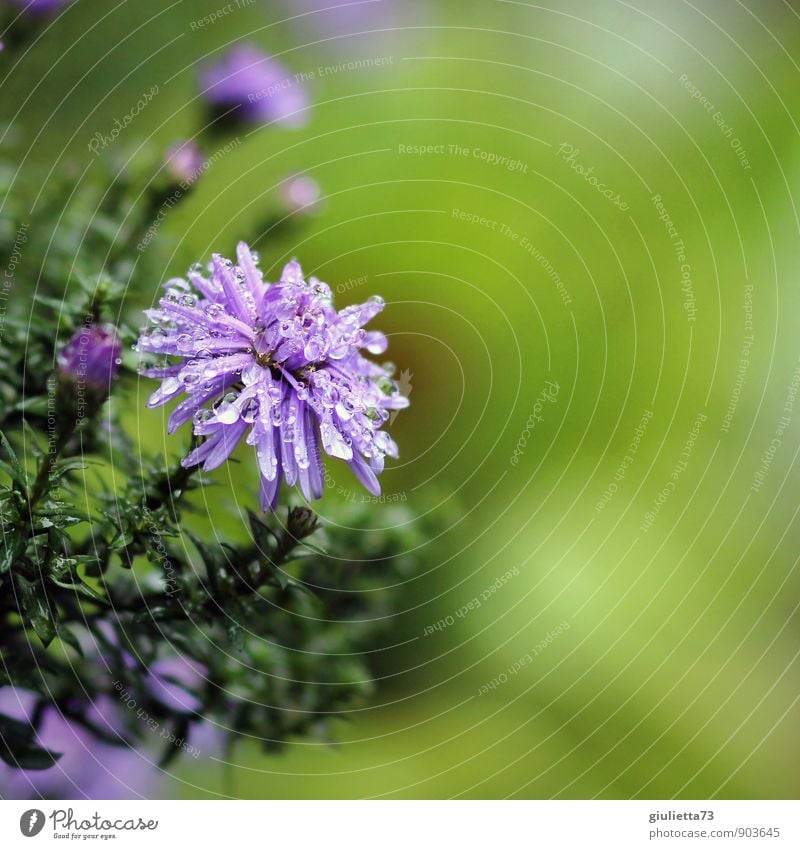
column 250, row 410
column 226, row 410
column 184, row 342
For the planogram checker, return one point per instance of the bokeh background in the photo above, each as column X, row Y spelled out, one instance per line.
column 583, row 217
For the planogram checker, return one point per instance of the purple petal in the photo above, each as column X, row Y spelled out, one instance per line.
column 363, row 472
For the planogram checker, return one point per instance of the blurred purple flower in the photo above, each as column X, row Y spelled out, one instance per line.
column 92, row 357
column 184, row 161
column 301, row 195
column 171, row 681
column 87, row 767
column 41, row 7
column 261, row 89
column 276, row 362
column 90, row 767
column 375, row 18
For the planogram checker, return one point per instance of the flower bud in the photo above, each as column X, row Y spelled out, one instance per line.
column 302, row 522
column 87, row 366
column 92, row 356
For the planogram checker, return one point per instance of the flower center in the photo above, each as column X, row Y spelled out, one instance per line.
column 262, row 350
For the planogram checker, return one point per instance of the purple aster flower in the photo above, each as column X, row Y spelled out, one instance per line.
column 261, row 87
column 92, row 357
column 276, row 364
column 184, row 161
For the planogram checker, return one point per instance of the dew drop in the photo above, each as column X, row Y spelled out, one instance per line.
column 250, row 410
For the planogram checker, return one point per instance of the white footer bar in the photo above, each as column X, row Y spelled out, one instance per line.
column 386, row 825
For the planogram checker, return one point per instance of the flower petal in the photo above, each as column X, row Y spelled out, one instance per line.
column 363, row 472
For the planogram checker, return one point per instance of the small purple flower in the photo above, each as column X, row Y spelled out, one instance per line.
column 184, row 162
column 275, row 363
column 260, row 88
column 301, row 195
column 92, row 357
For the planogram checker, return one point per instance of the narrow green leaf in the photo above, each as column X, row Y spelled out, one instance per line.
column 18, row 470
column 66, row 636
column 82, row 589
column 18, row 747
column 37, row 610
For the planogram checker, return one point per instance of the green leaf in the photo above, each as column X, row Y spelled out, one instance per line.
column 13, row 468
column 121, row 541
column 153, row 613
column 315, row 548
column 236, row 635
column 71, row 464
column 81, row 588
column 304, row 592
column 180, row 731
column 263, row 536
column 8, row 469
column 31, row 435
column 280, row 574
column 11, row 550
column 18, row 747
column 56, row 304
column 213, row 560
column 37, row 610
column 66, row 636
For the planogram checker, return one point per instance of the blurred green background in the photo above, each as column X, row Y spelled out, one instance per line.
column 582, row 216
